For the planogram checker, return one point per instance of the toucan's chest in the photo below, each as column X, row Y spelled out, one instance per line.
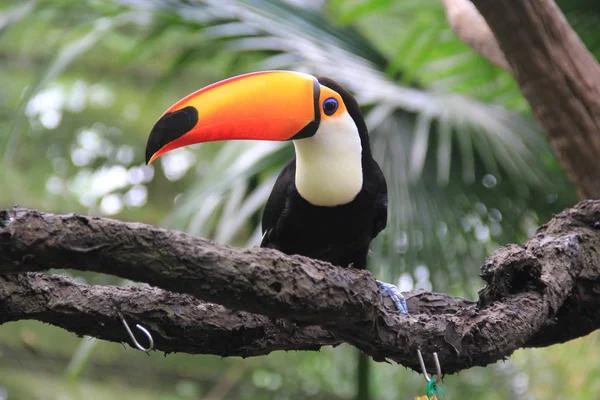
column 347, row 223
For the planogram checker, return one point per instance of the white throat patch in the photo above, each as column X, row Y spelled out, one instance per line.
column 329, row 164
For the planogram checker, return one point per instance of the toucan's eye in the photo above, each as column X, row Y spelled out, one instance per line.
column 330, row 106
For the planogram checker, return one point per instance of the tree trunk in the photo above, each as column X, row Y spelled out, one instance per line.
column 556, row 73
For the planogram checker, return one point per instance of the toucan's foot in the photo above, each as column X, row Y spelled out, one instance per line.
column 387, row 289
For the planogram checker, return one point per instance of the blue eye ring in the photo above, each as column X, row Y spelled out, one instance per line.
column 330, row 106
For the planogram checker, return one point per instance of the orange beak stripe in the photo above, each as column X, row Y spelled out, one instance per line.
column 269, row 105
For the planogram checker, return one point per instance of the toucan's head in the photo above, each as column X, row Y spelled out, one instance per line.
column 269, row 105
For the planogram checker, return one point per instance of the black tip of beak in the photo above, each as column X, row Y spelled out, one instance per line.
column 169, row 127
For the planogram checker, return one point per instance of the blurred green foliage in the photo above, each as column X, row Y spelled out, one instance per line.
column 83, row 82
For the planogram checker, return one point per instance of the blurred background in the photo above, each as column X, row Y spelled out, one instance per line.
column 82, row 83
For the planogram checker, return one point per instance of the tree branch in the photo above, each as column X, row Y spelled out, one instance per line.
column 542, row 293
column 179, row 323
column 556, row 73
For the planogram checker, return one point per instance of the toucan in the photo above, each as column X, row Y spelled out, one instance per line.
column 330, row 201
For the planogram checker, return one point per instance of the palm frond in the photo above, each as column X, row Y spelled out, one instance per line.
column 14, row 14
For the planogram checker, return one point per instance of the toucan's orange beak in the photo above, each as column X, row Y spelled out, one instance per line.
column 270, row 105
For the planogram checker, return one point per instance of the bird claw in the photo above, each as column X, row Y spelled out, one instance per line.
column 387, row 289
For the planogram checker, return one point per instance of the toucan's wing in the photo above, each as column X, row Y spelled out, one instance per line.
column 380, row 187
column 275, row 208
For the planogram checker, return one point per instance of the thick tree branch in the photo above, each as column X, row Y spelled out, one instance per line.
column 544, row 292
column 556, row 73
column 179, row 322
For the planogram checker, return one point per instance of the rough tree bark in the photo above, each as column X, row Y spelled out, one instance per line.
column 179, row 323
column 542, row 293
column 556, row 73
